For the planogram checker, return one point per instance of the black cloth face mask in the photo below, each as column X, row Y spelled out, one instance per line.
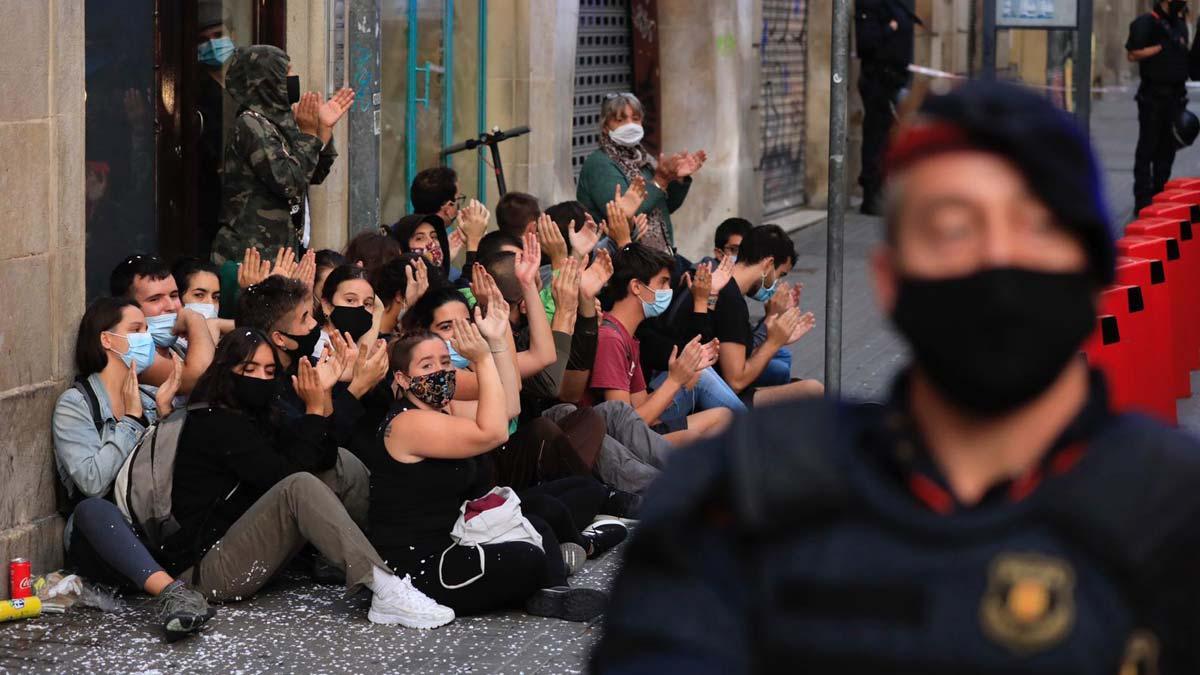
column 353, row 320
column 254, row 393
column 305, row 344
column 995, row 339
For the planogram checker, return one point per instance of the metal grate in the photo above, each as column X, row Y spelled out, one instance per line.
column 603, row 64
column 783, row 68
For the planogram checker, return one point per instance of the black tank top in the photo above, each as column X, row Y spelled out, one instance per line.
column 413, row 506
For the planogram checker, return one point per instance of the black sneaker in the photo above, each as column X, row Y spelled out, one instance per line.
column 182, row 611
column 603, row 535
column 622, row 504
column 568, row 604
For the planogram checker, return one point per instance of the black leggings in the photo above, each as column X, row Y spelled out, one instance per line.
column 512, row 572
column 105, row 549
column 568, row 505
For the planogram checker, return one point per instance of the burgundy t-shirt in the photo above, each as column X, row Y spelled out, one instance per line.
column 617, row 365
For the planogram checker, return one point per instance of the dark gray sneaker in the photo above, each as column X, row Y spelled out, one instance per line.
column 566, row 603
column 182, row 611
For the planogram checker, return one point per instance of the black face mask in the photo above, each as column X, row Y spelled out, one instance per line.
column 992, row 341
column 254, row 393
column 353, row 320
column 293, row 88
column 304, row 343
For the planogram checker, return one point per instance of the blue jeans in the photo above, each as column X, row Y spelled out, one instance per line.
column 779, row 368
column 710, row 392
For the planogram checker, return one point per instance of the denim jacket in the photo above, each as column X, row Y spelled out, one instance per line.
column 87, row 461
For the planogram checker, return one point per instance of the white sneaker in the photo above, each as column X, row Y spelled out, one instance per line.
column 396, row 600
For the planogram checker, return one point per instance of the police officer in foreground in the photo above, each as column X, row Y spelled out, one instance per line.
column 1158, row 43
column 883, row 33
column 994, row 516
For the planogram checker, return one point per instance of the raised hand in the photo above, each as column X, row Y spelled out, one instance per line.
column 253, row 268
column 473, row 222
column 584, row 240
column 341, row 355
column 701, row 285
column 285, row 263
column 494, row 326
column 329, row 112
column 618, row 225
column 528, row 262
column 458, row 242
column 306, row 271
column 418, row 282
column 687, row 163
column 370, row 368
column 565, row 287
column 664, row 173
column 722, row 275
column 781, row 326
column 641, row 223
column 131, row 394
column 308, row 386
column 683, row 366
column 308, row 113
column 632, row 200
column 781, row 301
column 467, row 339
column 164, row 398
column 551, row 240
column 592, row 281
column 806, row 323
column 483, row 285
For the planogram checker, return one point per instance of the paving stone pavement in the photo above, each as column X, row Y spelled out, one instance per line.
column 296, row 626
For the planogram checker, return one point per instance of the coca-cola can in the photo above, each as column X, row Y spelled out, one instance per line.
column 20, row 578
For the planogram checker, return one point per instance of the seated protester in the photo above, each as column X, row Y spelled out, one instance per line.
column 641, row 287
column 348, row 301
column 424, row 235
column 96, row 424
column 517, row 214
column 200, row 291
column 283, row 310
column 426, row 463
column 766, row 256
column 492, row 245
column 371, row 250
column 327, row 259
column 399, row 284
column 435, row 191
column 728, row 241
column 148, row 282
column 249, row 490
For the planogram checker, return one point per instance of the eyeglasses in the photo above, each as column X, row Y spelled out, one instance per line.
column 460, row 201
column 609, row 97
column 731, row 250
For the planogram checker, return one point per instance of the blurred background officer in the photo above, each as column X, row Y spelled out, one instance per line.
column 883, row 31
column 993, row 516
column 216, row 108
column 1158, row 43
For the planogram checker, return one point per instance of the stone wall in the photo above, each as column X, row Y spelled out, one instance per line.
column 41, row 261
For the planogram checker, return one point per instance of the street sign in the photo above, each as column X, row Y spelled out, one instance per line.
column 1037, row 14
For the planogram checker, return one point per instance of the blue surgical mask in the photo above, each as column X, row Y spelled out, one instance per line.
column 764, row 293
column 140, row 353
column 215, row 52
column 162, row 329
column 457, row 360
column 204, row 309
column 662, row 300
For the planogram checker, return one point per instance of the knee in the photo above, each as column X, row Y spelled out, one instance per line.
column 90, row 510
column 810, row 389
column 302, row 483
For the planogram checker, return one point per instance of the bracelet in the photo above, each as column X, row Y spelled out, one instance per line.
column 499, row 351
column 712, row 302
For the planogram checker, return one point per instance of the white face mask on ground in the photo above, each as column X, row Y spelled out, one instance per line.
column 628, row 135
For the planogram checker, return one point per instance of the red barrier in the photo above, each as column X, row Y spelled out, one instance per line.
column 1153, row 353
column 1183, row 183
column 1166, row 251
column 1107, row 353
column 1127, row 386
column 1188, row 276
column 1190, row 198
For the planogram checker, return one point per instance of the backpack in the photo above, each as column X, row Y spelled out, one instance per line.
column 142, row 489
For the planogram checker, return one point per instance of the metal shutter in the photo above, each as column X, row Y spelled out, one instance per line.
column 783, row 68
column 603, row 64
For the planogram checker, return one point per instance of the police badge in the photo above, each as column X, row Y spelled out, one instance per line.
column 1029, row 603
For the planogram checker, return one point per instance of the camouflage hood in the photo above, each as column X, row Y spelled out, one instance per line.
column 257, row 80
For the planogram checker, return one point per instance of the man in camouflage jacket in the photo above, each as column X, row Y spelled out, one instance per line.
column 274, row 152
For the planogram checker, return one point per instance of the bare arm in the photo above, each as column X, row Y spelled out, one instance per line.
column 1135, row 55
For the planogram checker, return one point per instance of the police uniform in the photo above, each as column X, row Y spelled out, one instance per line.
column 821, row 537
column 1160, row 97
column 885, row 55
